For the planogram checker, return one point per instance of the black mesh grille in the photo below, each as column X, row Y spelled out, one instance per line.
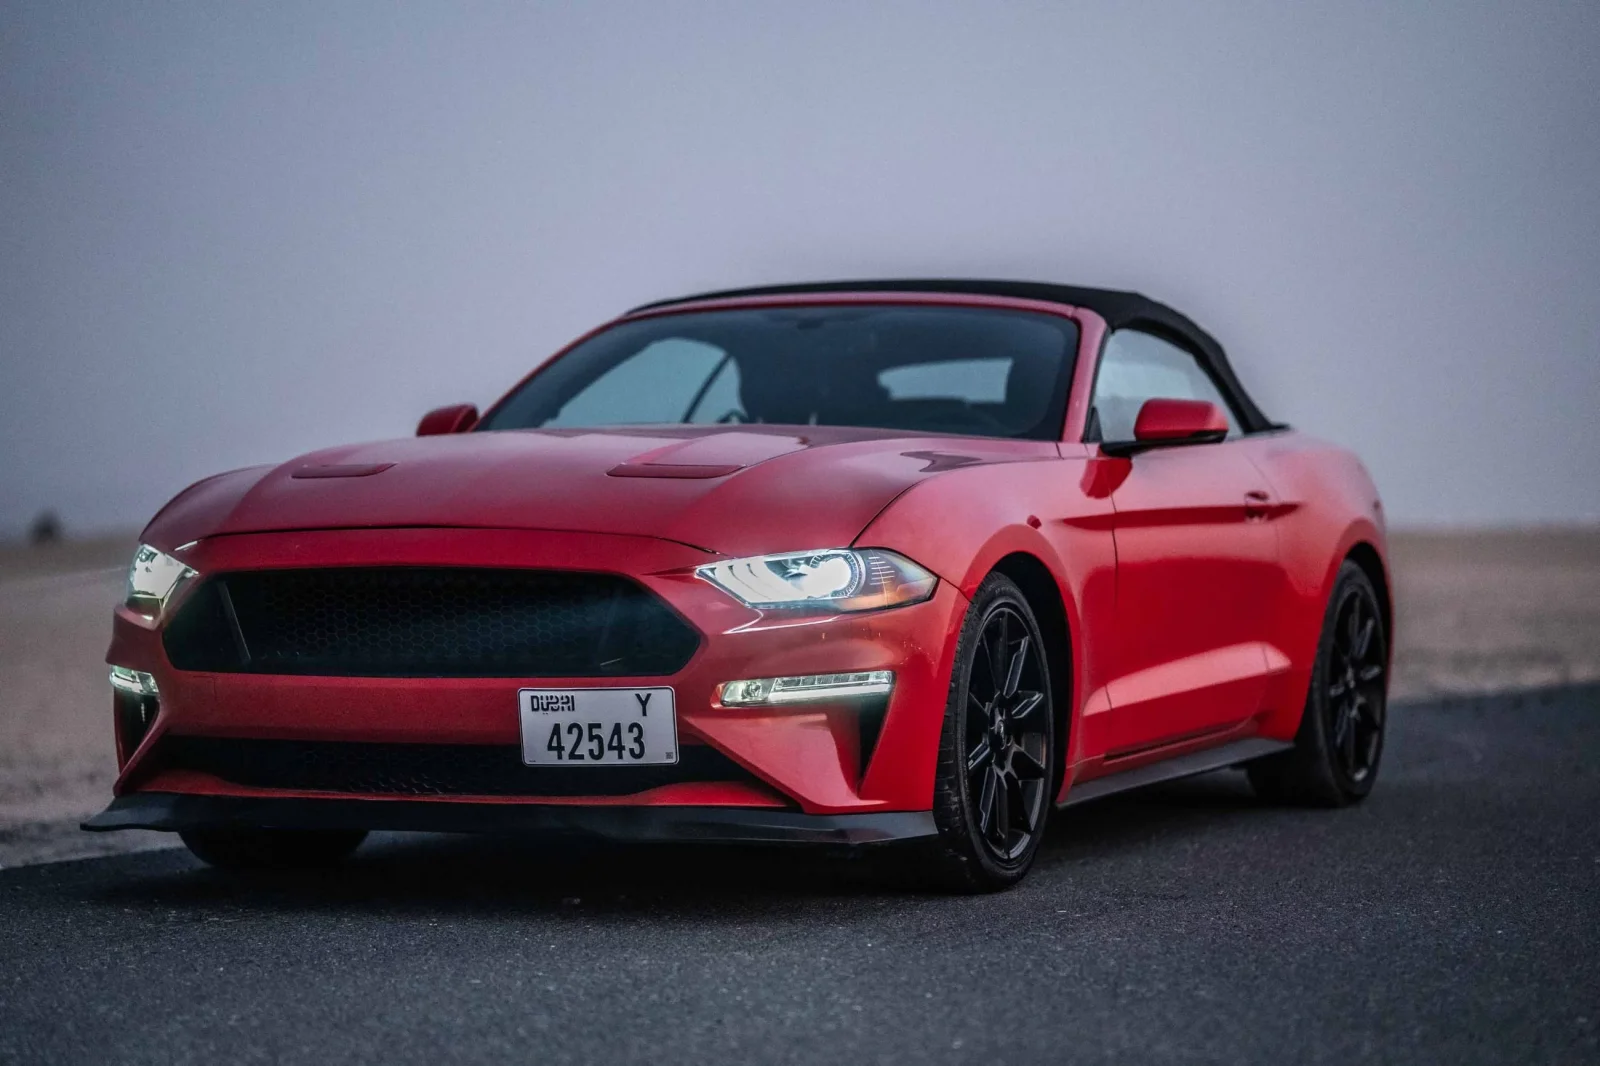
column 426, row 769
column 428, row 622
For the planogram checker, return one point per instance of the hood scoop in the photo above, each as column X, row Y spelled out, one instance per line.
column 708, row 457
column 341, row 470
column 673, row 470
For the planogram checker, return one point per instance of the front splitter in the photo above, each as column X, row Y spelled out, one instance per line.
column 175, row 812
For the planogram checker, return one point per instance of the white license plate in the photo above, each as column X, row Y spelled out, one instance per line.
column 598, row 726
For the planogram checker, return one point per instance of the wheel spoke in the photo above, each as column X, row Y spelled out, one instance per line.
column 1030, row 702
column 1018, row 803
column 1370, row 673
column 1347, row 744
column 980, row 756
column 1352, row 628
column 1336, row 689
column 1358, row 651
column 1025, row 765
column 1002, row 803
column 1341, row 723
column 986, row 803
column 1014, row 672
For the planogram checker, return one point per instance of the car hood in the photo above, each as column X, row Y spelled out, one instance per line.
column 745, row 490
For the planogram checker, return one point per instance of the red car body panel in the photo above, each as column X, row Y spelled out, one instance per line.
column 1191, row 581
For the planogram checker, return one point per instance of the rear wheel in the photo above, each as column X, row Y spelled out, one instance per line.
column 1336, row 752
column 268, row 849
column 993, row 788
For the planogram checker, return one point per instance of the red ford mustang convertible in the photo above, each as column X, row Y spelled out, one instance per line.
column 839, row 563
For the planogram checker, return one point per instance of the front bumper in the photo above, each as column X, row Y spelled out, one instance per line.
column 662, row 824
column 808, row 759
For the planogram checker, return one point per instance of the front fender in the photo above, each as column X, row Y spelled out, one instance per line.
column 964, row 524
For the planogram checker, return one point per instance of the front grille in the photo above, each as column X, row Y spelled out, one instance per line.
column 427, row 769
column 428, row 622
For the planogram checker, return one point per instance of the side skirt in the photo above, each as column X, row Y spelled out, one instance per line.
column 1198, row 762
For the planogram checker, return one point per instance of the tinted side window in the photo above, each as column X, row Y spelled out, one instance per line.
column 1136, row 367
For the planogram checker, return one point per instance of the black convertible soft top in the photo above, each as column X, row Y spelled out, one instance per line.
column 1119, row 309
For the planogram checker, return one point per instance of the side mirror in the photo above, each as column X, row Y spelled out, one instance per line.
column 457, row 418
column 1165, row 423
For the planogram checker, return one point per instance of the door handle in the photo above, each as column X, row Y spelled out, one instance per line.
column 1256, row 504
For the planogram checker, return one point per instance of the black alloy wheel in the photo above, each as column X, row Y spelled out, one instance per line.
column 997, row 752
column 1337, row 750
column 1008, row 741
column 1356, row 687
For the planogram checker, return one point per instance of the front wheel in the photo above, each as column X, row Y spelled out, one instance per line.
column 271, row 849
column 1334, row 761
column 992, row 792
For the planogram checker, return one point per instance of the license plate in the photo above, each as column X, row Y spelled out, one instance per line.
column 598, row 726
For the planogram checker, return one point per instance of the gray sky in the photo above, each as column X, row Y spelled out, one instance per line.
column 233, row 232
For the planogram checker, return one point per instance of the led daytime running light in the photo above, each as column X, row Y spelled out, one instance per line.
column 136, row 682
column 811, row 688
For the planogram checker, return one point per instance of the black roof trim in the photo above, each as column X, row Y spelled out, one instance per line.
column 1119, row 309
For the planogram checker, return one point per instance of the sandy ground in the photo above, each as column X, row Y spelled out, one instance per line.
column 1488, row 612
column 1478, row 612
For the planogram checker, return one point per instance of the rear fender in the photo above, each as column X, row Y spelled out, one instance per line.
column 1330, row 506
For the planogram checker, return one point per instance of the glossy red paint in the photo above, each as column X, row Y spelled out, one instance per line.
column 456, row 418
column 799, row 752
column 1162, row 420
column 1190, row 581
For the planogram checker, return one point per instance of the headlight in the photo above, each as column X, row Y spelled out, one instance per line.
column 152, row 579
column 832, row 579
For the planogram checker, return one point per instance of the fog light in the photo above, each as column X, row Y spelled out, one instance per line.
column 136, row 682
column 769, row 691
column 137, row 702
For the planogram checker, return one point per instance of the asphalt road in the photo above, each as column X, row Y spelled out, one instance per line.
column 1453, row 918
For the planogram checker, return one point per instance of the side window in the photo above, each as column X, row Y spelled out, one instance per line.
column 658, row 383
column 1136, row 367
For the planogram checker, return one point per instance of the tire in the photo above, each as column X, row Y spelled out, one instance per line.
column 1338, row 748
column 272, row 849
column 991, row 808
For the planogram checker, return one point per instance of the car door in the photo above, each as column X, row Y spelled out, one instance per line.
column 1197, row 560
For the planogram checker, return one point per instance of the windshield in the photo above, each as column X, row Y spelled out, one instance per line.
column 924, row 369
